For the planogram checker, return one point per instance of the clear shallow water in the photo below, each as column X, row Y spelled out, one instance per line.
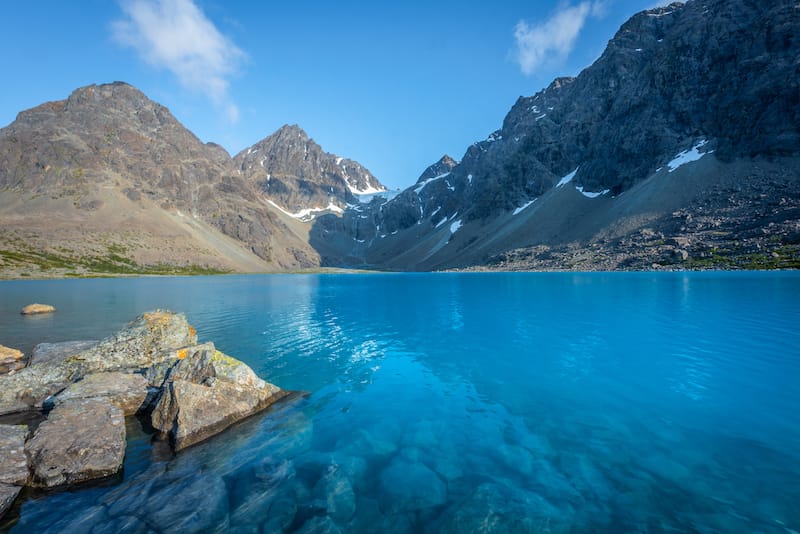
column 462, row 402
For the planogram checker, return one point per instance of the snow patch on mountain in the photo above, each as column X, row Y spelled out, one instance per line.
column 522, row 208
column 687, row 156
column 307, row 214
column 568, row 178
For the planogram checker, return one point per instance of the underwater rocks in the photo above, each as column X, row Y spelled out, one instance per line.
column 154, row 367
column 35, row 309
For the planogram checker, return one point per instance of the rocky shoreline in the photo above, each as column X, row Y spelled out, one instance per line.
column 153, row 367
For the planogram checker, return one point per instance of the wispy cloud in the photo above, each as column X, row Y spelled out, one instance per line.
column 552, row 40
column 177, row 36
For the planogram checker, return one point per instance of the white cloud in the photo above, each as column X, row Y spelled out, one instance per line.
column 177, row 36
column 552, row 40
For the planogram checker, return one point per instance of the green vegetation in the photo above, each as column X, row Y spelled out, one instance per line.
column 784, row 257
column 112, row 263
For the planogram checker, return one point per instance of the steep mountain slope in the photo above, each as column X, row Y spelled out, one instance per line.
column 109, row 181
column 297, row 175
column 591, row 162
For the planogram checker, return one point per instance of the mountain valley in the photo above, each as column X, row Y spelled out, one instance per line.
column 679, row 148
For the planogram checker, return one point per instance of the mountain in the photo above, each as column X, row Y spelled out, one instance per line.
column 678, row 147
column 109, row 181
column 297, row 175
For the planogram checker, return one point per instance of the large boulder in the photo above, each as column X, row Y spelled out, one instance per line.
column 205, row 393
column 80, row 440
column 35, row 309
column 126, row 391
column 145, row 341
column 149, row 339
column 11, row 360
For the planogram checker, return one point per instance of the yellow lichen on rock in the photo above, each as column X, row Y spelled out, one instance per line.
column 182, row 353
column 157, row 318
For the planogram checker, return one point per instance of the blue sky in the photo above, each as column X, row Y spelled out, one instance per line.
column 392, row 85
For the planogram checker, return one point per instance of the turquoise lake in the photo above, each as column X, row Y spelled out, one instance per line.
column 537, row 402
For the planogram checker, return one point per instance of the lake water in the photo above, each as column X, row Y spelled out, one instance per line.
column 460, row 403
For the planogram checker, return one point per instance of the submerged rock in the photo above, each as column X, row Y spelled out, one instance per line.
column 11, row 360
column 34, row 309
column 410, row 486
column 496, row 507
column 80, row 440
column 183, row 499
column 319, row 525
column 58, row 352
column 126, row 391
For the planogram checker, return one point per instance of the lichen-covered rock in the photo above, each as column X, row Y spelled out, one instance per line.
column 207, row 392
column 58, row 352
column 171, row 367
column 10, row 359
column 145, row 341
column 80, row 440
column 124, row 390
column 35, row 309
column 7, row 495
column 13, row 462
column 150, row 338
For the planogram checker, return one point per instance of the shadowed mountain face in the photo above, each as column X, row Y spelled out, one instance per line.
column 594, row 160
column 109, row 176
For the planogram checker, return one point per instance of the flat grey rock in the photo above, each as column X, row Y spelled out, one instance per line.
column 124, row 390
column 13, row 462
column 80, row 440
column 58, row 352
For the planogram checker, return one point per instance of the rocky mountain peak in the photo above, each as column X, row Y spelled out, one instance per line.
column 675, row 83
column 296, row 174
column 443, row 166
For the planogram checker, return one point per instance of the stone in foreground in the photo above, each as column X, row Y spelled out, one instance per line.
column 126, row 391
column 80, row 440
column 7, row 495
column 35, row 309
column 13, row 463
column 207, row 392
column 11, row 359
